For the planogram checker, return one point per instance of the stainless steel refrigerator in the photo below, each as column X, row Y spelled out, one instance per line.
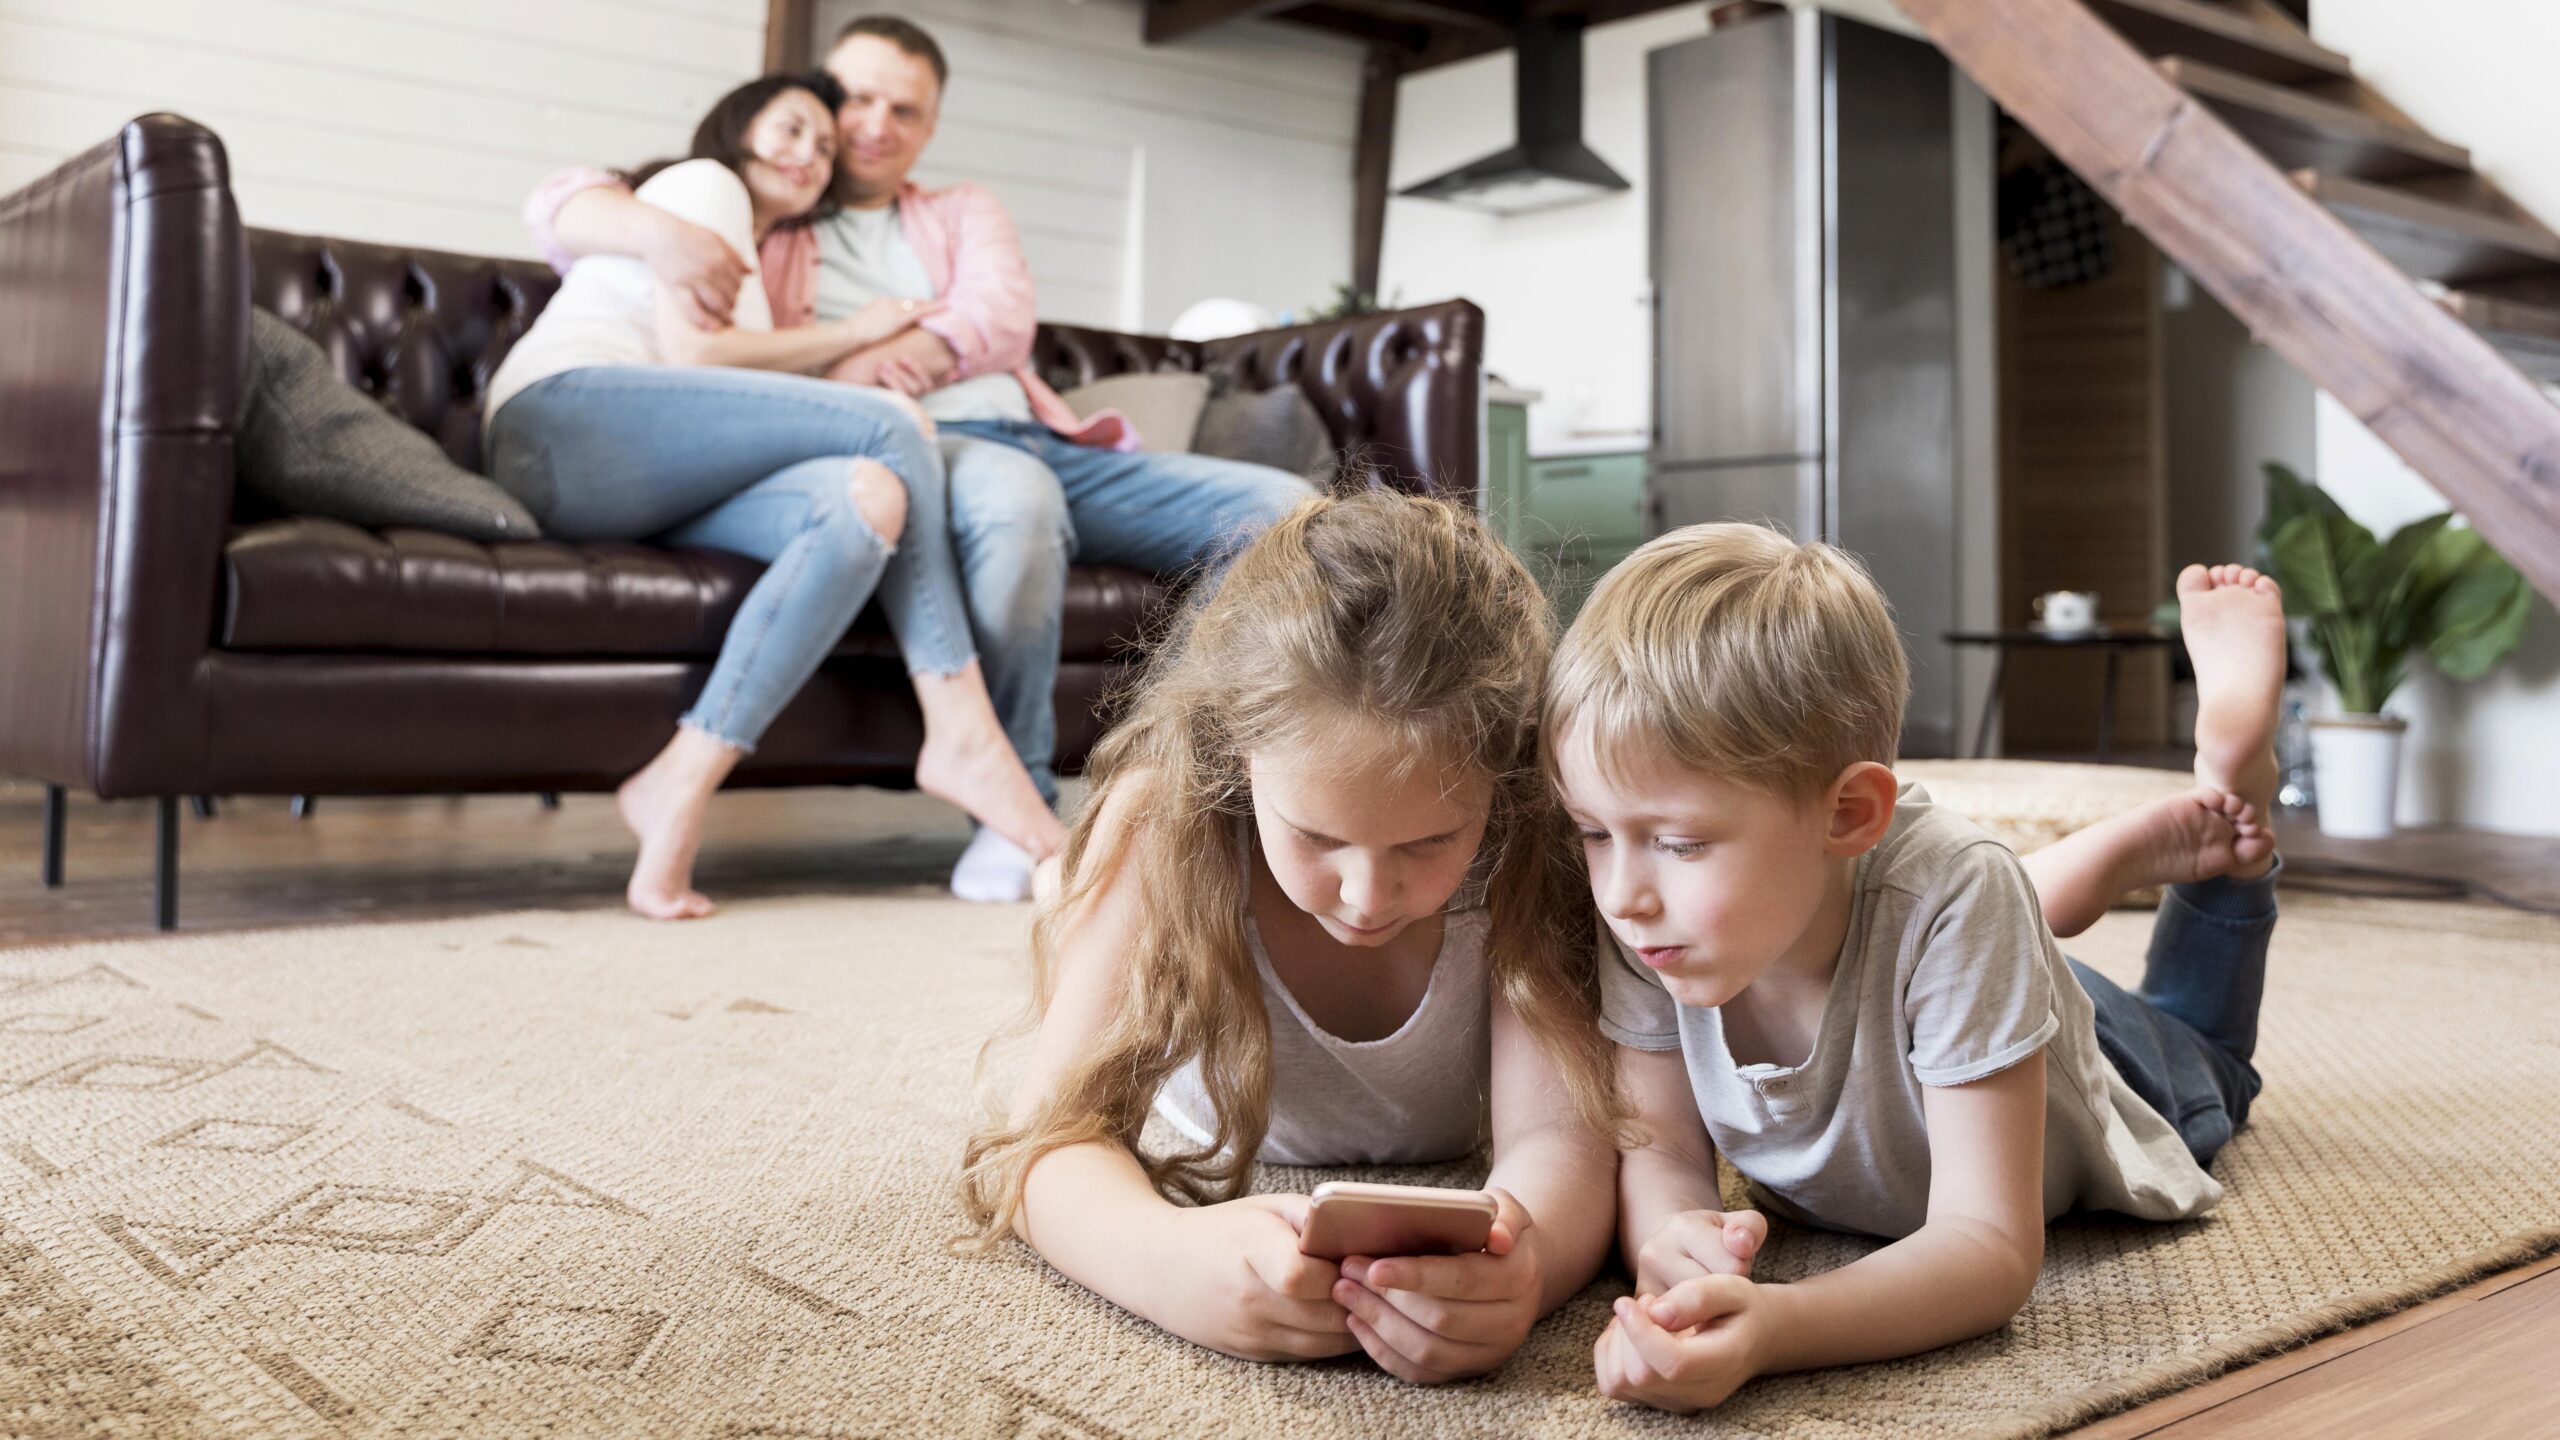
column 1802, row 194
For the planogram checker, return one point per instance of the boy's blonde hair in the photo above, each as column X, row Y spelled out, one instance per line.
column 1379, row 628
column 1736, row 652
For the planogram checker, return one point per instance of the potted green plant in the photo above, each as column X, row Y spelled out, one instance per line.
column 2369, row 606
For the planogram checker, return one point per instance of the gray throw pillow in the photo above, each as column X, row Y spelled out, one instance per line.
column 311, row 444
column 1279, row 428
column 1165, row 407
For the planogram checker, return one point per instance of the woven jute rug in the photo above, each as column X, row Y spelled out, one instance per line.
column 575, row 1174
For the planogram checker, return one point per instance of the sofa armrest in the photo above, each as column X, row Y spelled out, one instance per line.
column 123, row 285
column 1402, row 391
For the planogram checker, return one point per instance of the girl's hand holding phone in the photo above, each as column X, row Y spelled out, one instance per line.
column 1431, row 1319
column 1236, row 1283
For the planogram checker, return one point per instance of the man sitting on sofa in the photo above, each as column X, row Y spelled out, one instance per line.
column 1032, row 484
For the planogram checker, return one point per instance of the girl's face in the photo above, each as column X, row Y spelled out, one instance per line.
column 1365, row 850
column 791, row 151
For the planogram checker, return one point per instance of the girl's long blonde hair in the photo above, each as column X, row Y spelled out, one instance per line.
column 1405, row 621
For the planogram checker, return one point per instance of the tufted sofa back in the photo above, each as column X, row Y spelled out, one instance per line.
column 419, row 330
column 1400, row 391
column 423, row 330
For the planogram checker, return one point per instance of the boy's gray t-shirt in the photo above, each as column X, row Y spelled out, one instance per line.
column 1947, row 975
column 863, row 255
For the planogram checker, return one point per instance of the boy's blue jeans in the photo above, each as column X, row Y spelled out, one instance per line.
column 760, row 464
column 2184, row 1040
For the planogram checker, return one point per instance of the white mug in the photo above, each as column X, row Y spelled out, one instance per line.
column 2067, row 611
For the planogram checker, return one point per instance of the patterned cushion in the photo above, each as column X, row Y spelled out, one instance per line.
column 1165, row 407
column 1279, row 428
column 311, row 444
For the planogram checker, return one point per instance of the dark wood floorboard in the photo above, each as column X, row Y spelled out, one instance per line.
column 254, row 865
column 2476, row 1363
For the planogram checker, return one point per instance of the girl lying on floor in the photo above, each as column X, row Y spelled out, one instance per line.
column 1322, row 908
column 1319, row 909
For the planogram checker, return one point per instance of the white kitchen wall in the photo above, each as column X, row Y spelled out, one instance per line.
column 376, row 119
column 2231, row 405
column 1564, row 291
column 2477, row 73
column 1144, row 179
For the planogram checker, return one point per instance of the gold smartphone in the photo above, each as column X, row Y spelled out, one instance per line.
column 1349, row 1218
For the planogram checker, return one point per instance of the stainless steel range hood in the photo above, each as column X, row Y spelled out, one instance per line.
column 1549, row 165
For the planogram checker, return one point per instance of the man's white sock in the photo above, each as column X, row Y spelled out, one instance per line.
column 992, row 870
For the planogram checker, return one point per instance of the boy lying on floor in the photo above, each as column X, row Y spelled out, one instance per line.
column 1855, row 995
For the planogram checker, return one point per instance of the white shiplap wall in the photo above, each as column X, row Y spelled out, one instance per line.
column 1144, row 179
column 376, row 119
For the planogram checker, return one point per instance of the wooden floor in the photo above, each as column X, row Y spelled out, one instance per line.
column 2475, row 1363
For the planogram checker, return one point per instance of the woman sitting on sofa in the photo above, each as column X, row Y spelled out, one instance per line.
column 616, row 418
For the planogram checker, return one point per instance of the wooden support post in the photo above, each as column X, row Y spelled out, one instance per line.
column 788, row 45
column 1373, row 160
column 2445, row 399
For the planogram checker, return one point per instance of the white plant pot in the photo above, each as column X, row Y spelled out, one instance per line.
column 2355, row 763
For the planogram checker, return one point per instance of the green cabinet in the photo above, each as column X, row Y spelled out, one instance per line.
column 1570, row 517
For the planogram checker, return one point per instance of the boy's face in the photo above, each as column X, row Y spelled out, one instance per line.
column 1709, row 882
column 1363, row 849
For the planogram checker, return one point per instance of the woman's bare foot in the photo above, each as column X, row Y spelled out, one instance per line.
column 2232, row 618
column 2192, row 836
column 967, row 761
column 664, row 805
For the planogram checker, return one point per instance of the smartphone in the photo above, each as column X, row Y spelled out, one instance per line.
column 1349, row 1219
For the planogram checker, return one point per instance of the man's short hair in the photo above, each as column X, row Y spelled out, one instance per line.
column 907, row 35
column 1733, row 651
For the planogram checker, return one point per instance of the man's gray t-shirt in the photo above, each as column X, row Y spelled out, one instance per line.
column 863, row 255
column 1947, row 975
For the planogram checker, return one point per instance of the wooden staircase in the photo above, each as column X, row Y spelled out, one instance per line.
column 2362, row 248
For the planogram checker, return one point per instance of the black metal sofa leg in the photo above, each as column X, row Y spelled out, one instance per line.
column 204, row 806
column 303, row 805
column 165, row 886
column 53, row 817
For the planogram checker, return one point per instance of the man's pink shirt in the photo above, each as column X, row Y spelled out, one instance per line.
column 971, row 255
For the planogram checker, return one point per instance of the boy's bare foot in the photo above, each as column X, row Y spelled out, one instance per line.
column 2232, row 618
column 2193, row 836
column 664, row 806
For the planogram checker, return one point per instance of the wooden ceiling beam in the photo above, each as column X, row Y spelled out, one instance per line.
column 1387, row 35
column 1448, row 47
column 1170, row 20
column 1485, row 16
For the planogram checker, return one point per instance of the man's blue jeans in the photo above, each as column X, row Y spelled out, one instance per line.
column 2184, row 1040
column 756, row 463
column 1025, row 502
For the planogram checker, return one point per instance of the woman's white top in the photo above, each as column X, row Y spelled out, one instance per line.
column 606, row 312
column 1417, row 1096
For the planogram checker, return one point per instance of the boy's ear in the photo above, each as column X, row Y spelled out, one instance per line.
column 1862, row 802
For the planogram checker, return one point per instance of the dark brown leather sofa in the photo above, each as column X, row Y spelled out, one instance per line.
column 159, row 639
